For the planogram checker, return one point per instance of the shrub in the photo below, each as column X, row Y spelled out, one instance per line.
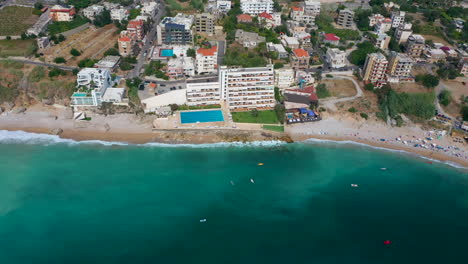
column 111, row 52
column 75, row 52
column 37, row 74
column 428, row 80
column 369, row 87
column 352, row 110
column 60, row 60
column 445, row 97
column 56, row 72
column 364, row 115
column 464, row 112
column 278, row 65
column 322, row 91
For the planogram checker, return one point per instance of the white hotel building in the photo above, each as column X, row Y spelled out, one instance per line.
column 255, row 7
column 203, row 91
column 247, row 88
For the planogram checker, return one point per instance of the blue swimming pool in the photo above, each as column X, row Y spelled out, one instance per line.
column 166, row 53
column 201, row 116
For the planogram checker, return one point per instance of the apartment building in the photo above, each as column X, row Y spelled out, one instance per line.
column 336, row 58
column 374, row 19
column 399, row 67
column 300, row 59
column 62, row 13
column 175, row 30
column 204, row 23
column 126, row 44
column 383, row 26
column 223, row 6
column 398, row 18
column 149, row 9
column 382, row 41
column 206, row 60
column 345, row 18
column 284, row 78
column 463, row 66
column 180, row 67
column 119, row 14
column 255, row 7
column 92, row 84
column 415, row 46
column 375, row 69
column 135, row 28
column 312, row 7
column 203, row 91
column 434, row 55
column 91, row 12
column 403, row 32
column 298, row 14
column 247, row 88
column 269, row 20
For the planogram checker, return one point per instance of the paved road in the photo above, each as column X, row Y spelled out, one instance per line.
column 149, row 39
column 221, row 51
column 62, row 67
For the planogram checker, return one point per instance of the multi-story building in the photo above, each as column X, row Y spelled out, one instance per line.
column 374, row 19
column 269, row 20
column 91, row 12
column 382, row 41
column 203, row 91
column 282, row 53
column 206, row 60
column 135, row 28
column 223, row 6
column 204, row 23
column 42, row 43
column 149, row 9
column 399, row 67
column 119, row 14
column 110, row 6
column 248, row 39
column 375, row 69
column 398, row 18
column 175, row 30
column 434, row 55
column 180, row 67
column 126, row 44
column 336, row 58
column 300, row 59
column 312, row 7
column 403, row 32
column 62, row 13
column 248, row 88
column 92, row 84
column 290, row 42
column 255, row 7
column 298, row 14
column 383, row 26
column 415, row 45
column 284, row 77
column 345, row 18
column 304, row 39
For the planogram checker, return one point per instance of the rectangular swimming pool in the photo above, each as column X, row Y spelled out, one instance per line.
column 201, row 116
column 166, row 53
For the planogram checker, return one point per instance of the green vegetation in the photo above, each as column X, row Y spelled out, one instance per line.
column 280, row 111
column 447, row 71
column 369, row 87
column 111, row 52
column 364, row 115
column 155, row 68
column 132, row 85
column 358, row 56
column 60, row 60
column 103, row 19
column 54, row 72
column 361, row 17
column 274, row 128
column 87, row 63
column 261, row 117
column 59, row 27
column 463, row 112
column 278, row 65
column 278, row 96
column 74, row 52
column 134, row 13
column 324, row 23
column 352, row 110
column 445, row 97
column 322, row 91
column 428, row 80
column 14, row 20
column 241, row 57
column 17, row 47
column 191, row 53
column 37, row 74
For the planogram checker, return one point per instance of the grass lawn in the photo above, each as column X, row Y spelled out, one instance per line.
column 16, row 47
column 263, row 117
column 15, row 20
column 59, row 27
column 274, row 128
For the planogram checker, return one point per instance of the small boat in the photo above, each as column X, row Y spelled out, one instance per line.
column 202, row 220
column 354, row 185
column 383, row 169
column 387, row 242
column 232, row 183
column 252, row 181
column 260, row 164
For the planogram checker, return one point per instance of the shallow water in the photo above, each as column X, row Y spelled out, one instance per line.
column 90, row 203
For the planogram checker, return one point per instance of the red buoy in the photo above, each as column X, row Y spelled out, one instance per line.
column 387, row 242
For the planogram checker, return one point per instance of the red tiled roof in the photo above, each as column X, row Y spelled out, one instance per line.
column 296, row 8
column 135, row 23
column 313, row 97
column 244, row 17
column 208, row 52
column 308, row 90
column 331, row 37
column 126, row 39
column 266, row 15
column 300, row 53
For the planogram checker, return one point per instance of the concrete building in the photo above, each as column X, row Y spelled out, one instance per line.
column 255, row 7
column 62, row 13
column 382, row 41
column 135, row 28
column 204, row 23
column 298, row 14
column 248, row 39
column 109, row 62
column 299, row 59
column 403, row 32
column 312, row 7
column 290, row 42
column 269, row 20
column 304, row 39
column 336, row 58
column 463, row 66
column 175, row 30
column 244, row 18
column 119, row 14
column 375, row 18
column 180, row 67
column 282, row 53
column 284, row 78
column 331, row 38
column 247, row 88
column 126, row 44
column 398, row 18
column 43, row 43
column 223, row 6
column 345, row 18
column 149, row 9
column 41, row 24
column 92, row 85
column 91, row 12
column 206, row 60
column 375, row 69
column 203, row 91
column 383, row 26
column 434, row 55
column 110, row 5
column 399, row 67
column 415, row 46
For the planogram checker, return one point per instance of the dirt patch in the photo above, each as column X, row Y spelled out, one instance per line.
column 92, row 43
column 14, row 20
column 437, row 39
column 457, row 88
column 340, row 88
column 410, row 88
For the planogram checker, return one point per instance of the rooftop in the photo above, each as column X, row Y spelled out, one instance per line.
column 266, row 15
column 208, row 52
column 331, row 37
column 301, row 53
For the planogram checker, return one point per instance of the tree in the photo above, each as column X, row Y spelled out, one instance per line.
column 38, row 5
column 8, row 38
column 428, row 80
column 358, row 56
column 464, row 112
column 111, row 52
column 278, row 65
column 445, row 97
column 60, row 60
column 369, row 87
column 61, row 38
column 191, row 53
column 74, row 52
column 254, row 112
column 104, row 18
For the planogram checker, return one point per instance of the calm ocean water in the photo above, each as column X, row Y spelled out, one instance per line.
column 91, row 203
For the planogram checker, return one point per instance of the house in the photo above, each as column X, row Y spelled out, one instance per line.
column 282, row 53
column 108, row 62
column 403, row 32
column 91, row 12
column 119, row 14
column 203, row 91
column 331, row 39
column 126, row 44
column 110, row 5
column 205, row 23
column 298, row 14
column 206, row 60
column 62, row 13
column 290, row 42
column 304, row 39
column 434, row 55
column 300, row 59
column 175, row 30
column 374, row 19
column 383, row 26
column 256, row 7
column 375, row 69
column 303, row 96
column 463, row 67
column 248, row 39
column 382, row 41
column 284, row 77
column 43, row 43
column 270, row 20
column 223, row 6
column 244, row 18
column 92, row 86
column 149, row 9
column 398, row 18
column 312, row 7
column 345, row 18
column 336, row 58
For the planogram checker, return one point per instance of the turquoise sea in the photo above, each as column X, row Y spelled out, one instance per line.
column 65, row 202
